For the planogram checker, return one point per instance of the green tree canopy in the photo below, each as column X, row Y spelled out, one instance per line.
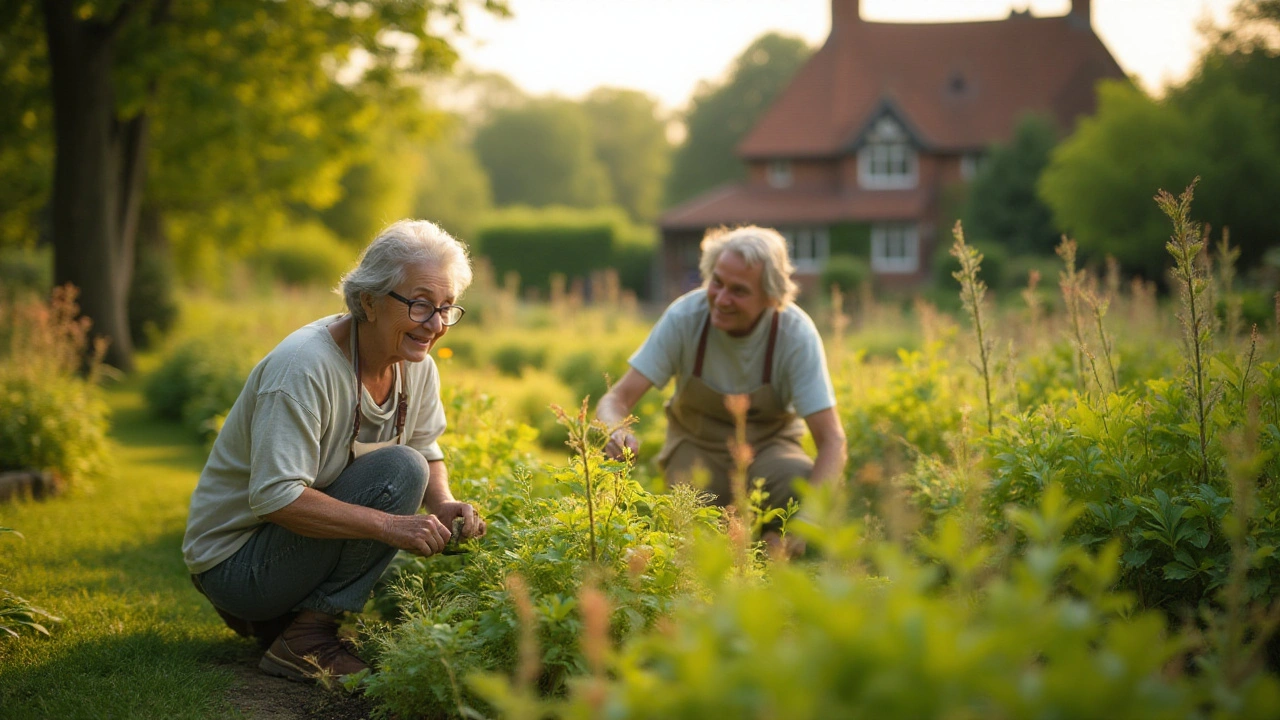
column 236, row 108
column 453, row 189
column 1100, row 181
column 541, row 153
column 1223, row 125
column 631, row 142
column 720, row 114
column 1003, row 205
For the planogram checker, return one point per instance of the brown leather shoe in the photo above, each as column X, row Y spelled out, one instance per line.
column 309, row 648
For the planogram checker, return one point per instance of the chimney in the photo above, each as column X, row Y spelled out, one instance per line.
column 1081, row 13
column 844, row 13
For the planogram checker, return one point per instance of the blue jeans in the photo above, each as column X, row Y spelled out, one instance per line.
column 279, row 571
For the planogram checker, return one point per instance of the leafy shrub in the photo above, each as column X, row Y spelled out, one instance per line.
column 848, row 272
column 305, row 253
column 1130, row 458
column 52, row 415
column 538, row 243
column 1258, row 308
column 533, row 407
column 911, row 410
column 584, row 372
column 934, row 638
column 513, row 359
column 59, row 426
column 198, row 382
column 461, row 616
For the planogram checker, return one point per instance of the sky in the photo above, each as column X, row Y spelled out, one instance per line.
column 665, row 47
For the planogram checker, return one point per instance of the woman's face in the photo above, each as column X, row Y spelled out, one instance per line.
column 399, row 337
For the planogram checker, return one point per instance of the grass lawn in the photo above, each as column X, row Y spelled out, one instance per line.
column 137, row 641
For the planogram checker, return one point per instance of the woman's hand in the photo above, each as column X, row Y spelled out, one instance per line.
column 472, row 525
column 423, row 535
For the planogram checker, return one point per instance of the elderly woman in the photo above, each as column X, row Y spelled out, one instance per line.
column 325, row 458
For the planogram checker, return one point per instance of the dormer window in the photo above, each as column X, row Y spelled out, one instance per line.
column 887, row 161
column 779, row 173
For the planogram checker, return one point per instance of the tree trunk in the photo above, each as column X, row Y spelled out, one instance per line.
column 98, row 172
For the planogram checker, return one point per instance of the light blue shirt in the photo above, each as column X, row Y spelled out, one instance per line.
column 736, row 364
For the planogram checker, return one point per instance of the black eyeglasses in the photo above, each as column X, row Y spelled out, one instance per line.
column 421, row 311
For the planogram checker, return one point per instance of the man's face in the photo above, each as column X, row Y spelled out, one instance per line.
column 736, row 294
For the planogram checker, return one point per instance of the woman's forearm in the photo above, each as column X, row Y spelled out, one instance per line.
column 316, row 515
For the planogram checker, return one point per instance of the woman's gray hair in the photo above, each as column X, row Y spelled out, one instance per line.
column 757, row 246
column 382, row 264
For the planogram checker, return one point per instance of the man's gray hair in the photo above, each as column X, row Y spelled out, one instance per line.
column 382, row 264
column 757, row 246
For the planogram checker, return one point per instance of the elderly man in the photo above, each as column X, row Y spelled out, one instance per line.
column 739, row 334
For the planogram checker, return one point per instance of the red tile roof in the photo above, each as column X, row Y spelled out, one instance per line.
column 957, row 86
column 738, row 204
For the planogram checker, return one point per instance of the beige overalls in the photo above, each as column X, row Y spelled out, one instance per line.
column 699, row 429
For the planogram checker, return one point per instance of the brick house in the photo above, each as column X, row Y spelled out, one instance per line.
column 863, row 151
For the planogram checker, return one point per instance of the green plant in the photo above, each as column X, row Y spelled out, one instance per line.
column 304, row 253
column 847, row 272
column 1197, row 323
column 461, row 615
column 52, row 415
column 972, row 292
column 16, row 613
column 197, row 383
column 940, row 637
column 512, row 359
column 584, row 373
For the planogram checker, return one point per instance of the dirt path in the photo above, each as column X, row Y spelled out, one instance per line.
column 258, row 696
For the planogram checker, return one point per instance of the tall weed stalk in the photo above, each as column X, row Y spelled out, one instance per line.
column 580, row 442
column 972, row 292
column 1185, row 246
column 1071, row 281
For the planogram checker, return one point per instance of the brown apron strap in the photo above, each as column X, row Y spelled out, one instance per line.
column 702, row 347
column 402, row 403
column 768, row 352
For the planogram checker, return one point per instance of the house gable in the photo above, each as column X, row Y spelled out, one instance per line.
column 959, row 86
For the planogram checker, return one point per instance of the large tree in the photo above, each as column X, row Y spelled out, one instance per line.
column 630, row 140
column 1222, row 125
column 1003, row 205
column 540, row 153
column 721, row 113
column 115, row 65
column 452, row 189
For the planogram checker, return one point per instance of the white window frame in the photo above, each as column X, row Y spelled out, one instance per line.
column 895, row 248
column 808, row 247
column 779, row 174
column 887, row 161
column 970, row 164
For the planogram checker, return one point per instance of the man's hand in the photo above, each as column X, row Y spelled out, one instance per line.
column 621, row 443
column 472, row 525
column 613, row 410
column 423, row 535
